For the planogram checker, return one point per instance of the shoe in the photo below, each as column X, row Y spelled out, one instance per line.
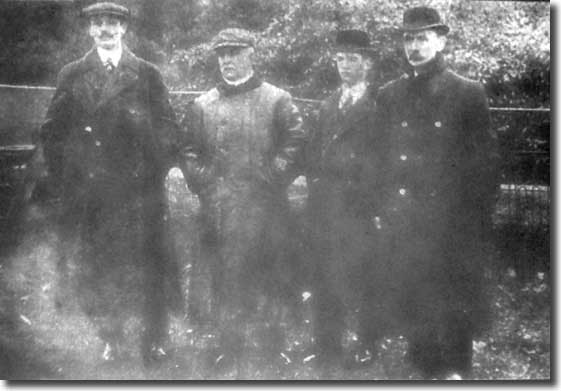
column 154, row 356
column 357, row 359
column 453, row 376
column 111, row 352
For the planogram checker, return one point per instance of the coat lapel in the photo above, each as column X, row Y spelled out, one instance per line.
column 89, row 87
column 353, row 115
column 125, row 75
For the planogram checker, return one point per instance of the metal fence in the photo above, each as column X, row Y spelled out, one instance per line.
column 524, row 205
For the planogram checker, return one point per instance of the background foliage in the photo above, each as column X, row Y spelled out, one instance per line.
column 504, row 44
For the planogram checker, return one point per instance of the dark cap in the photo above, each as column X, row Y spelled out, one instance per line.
column 233, row 37
column 353, row 41
column 106, row 8
column 423, row 18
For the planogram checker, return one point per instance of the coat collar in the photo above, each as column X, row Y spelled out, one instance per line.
column 434, row 67
column 128, row 61
column 343, row 122
column 126, row 74
column 228, row 90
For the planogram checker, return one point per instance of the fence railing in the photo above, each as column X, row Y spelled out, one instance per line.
column 525, row 194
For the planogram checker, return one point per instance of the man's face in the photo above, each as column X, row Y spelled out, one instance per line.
column 235, row 62
column 422, row 46
column 107, row 31
column 353, row 67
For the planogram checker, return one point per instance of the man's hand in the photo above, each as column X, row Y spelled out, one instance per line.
column 280, row 164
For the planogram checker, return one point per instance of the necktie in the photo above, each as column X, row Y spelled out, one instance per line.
column 109, row 65
column 346, row 102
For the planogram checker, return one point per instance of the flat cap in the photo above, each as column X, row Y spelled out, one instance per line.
column 423, row 18
column 354, row 41
column 106, row 8
column 233, row 37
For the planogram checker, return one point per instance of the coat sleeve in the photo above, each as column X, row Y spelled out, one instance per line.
column 164, row 124
column 374, row 176
column 54, row 131
column 313, row 149
column 291, row 140
column 480, row 168
column 195, row 155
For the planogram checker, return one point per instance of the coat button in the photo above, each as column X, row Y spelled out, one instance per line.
column 402, row 192
column 335, row 137
column 403, row 157
column 404, row 124
column 438, row 124
column 97, row 143
column 91, row 175
column 88, row 128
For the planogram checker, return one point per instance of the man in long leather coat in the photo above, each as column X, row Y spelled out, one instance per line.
column 245, row 137
column 437, row 200
column 106, row 140
column 340, row 163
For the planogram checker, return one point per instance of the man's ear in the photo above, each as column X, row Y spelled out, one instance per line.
column 368, row 63
column 124, row 26
column 442, row 42
column 90, row 29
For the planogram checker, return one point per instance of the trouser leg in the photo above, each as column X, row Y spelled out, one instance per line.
column 457, row 344
column 329, row 324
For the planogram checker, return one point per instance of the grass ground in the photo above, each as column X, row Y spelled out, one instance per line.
column 39, row 341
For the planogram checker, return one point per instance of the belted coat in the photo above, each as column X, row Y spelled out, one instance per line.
column 237, row 133
column 437, row 196
column 107, row 141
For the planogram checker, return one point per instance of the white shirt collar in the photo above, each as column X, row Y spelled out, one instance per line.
column 354, row 92
column 113, row 55
column 239, row 81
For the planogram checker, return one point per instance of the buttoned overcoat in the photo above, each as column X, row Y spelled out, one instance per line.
column 341, row 166
column 107, row 143
column 436, row 199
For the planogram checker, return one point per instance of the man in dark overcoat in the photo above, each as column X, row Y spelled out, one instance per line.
column 340, row 155
column 107, row 143
column 437, row 200
column 245, row 138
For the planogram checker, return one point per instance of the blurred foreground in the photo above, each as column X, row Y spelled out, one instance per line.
column 38, row 341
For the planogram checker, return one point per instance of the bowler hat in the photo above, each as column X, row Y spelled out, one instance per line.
column 106, row 8
column 423, row 18
column 233, row 37
column 354, row 41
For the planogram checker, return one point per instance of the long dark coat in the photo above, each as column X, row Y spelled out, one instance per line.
column 236, row 134
column 436, row 200
column 107, row 142
column 342, row 156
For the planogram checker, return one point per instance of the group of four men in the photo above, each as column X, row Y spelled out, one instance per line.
column 401, row 183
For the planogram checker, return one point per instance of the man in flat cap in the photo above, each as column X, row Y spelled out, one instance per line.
column 438, row 196
column 246, row 137
column 107, row 142
column 339, row 155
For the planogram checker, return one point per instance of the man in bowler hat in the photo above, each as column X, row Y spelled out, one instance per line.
column 340, row 154
column 107, row 141
column 437, row 198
